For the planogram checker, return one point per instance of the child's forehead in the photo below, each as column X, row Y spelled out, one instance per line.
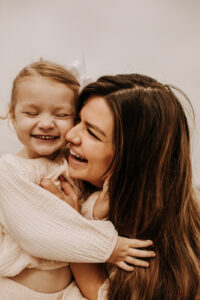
column 34, row 92
column 44, row 105
column 37, row 79
column 34, row 85
column 55, row 106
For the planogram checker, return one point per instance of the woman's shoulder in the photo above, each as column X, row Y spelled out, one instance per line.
column 87, row 206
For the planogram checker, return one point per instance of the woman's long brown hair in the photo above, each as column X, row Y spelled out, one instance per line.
column 151, row 194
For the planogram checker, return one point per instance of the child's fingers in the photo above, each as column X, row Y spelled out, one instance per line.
column 68, row 190
column 140, row 253
column 48, row 185
column 70, row 193
column 122, row 265
column 136, row 262
column 134, row 243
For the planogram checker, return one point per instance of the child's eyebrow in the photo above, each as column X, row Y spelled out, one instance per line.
column 64, row 106
column 30, row 105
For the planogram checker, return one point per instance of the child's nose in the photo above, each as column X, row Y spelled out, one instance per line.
column 46, row 122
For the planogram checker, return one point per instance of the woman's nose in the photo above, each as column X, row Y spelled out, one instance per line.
column 73, row 135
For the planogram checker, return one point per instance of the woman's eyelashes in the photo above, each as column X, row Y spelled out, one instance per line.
column 92, row 134
column 86, row 127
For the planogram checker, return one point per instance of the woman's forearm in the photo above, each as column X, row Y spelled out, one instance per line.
column 89, row 278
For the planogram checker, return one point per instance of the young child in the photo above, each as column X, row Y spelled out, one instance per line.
column 39, row 232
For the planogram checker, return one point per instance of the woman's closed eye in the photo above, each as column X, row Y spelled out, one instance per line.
column 92, row 134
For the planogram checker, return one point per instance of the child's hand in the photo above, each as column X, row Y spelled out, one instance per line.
column 126, row 253
column 67, row 193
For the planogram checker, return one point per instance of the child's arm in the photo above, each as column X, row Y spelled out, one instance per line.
column 48, row 228
column 125, row 253
column 12, row 258
column 90, row 277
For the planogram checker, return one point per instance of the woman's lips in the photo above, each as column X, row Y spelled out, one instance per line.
column 73, row 160
column 77, row 157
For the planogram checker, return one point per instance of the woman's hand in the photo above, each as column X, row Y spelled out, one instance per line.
column 66, row 193
column 126, row 254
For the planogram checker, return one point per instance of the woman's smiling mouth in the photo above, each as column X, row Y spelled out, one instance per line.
column 77, row 157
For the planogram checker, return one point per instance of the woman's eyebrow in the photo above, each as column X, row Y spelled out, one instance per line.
column 96, row 128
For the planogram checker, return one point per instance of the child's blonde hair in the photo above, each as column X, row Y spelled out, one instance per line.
column 49, row 70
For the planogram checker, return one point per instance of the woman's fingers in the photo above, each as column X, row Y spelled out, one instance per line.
column 51, row 187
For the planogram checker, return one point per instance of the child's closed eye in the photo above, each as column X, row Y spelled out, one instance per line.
column 31, row 114
column 63, row 115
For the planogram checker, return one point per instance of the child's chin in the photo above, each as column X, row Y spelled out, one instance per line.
column 48, row 154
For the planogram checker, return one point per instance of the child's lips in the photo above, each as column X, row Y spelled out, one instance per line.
column 45, row 137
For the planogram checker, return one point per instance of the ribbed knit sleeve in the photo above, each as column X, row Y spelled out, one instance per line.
column 13, row 259
column 45, row 226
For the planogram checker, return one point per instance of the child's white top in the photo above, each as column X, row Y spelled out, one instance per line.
column 35, row 225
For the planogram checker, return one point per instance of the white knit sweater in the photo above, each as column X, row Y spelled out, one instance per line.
column 37, row 229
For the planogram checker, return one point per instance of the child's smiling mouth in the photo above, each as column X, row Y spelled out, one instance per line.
column 45, row 137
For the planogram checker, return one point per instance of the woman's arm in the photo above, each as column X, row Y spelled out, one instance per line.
column 89, row 278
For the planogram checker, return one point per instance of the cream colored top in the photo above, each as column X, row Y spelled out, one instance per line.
column 37, row 229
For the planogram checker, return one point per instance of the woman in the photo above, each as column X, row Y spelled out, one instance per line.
column 138, row 125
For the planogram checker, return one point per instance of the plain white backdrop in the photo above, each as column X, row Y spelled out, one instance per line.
column 160, row 38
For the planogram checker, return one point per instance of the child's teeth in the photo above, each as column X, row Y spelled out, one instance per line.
column 46, row 137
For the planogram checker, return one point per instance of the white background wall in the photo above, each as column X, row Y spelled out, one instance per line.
column 160, row 38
